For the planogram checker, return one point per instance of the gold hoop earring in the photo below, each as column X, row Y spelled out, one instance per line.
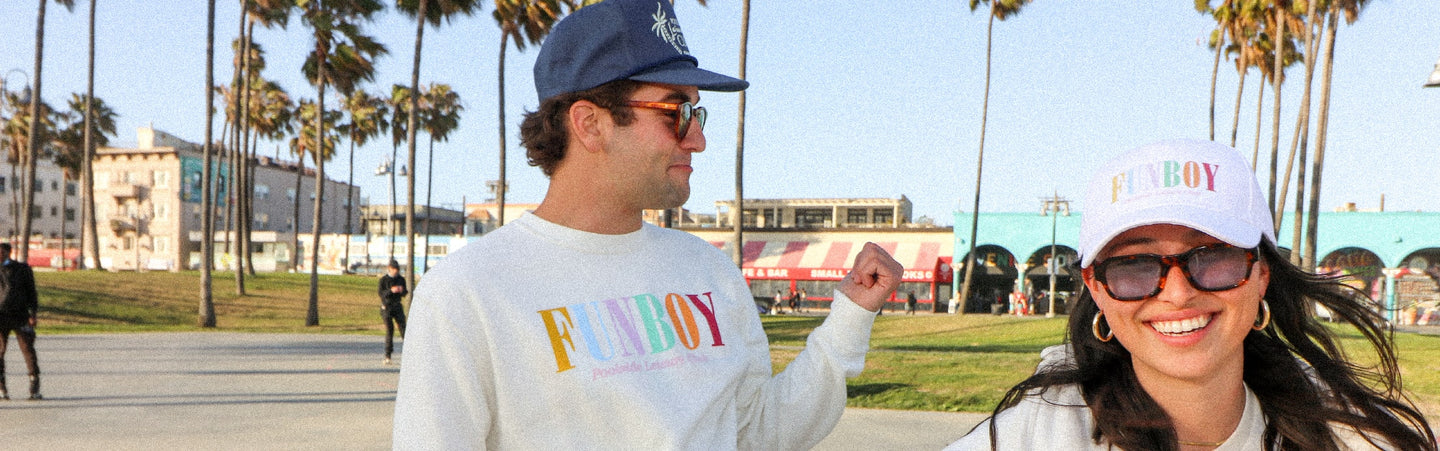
column 1095, row 328
column 1264, row 320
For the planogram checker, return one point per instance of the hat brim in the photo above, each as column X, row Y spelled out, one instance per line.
column 686, row 73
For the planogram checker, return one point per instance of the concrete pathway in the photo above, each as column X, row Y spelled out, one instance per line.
column 221, row 390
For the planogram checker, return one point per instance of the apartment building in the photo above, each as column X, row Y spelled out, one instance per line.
column 148, row 203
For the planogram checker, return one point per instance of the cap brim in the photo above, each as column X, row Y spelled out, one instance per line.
column 686, row 73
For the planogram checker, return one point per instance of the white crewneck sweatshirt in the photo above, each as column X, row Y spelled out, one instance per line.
column 539, row 336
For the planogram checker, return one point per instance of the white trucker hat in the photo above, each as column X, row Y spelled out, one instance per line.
column 1198, row 184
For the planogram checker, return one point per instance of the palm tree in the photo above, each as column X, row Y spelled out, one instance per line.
column 1243, row 34
column 305, row 145
column 367, row 120
column 94, row 116
column 1351, row 10
column 17, row 133
column 1276, row 21
column 341, row 60
column 19, row 152
column 249, row 61
column 33, row 149
column 520, row 21
column 399, row 103
column 423, row 11
column 738, row 252
column 1299, row 141
column 89, row 239
column 999, row 9
column 207, row 235
column 441, row 118
column 268, row 13
column 272, row 119
column 1223, row 14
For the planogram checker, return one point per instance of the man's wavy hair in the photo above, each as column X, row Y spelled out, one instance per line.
column 1295, row 367
column 544, row 133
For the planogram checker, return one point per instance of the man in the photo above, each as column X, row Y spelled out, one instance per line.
column 582, row 327
column 18, row 308
column 392, row 306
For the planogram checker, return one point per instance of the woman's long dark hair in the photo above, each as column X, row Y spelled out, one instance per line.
column 1301, row 398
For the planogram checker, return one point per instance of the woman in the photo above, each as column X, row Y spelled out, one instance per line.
column 1194, row 332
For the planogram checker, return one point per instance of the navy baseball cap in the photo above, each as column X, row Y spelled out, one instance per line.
column 621, row 39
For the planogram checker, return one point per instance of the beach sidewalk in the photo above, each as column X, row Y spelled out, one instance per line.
column 224, row 390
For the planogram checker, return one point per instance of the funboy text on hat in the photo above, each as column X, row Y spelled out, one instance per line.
column 1163, row 178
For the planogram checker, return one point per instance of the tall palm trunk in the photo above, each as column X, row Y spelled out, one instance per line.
column 312, row 311
column 64, row 205
column 979, row 167
column 390, row 214
column 207, row 214
column 1214, row 76
column 89, row 241
column 429, row 181
column 1259, row 118
column 1312, row 225
column 349, row 206
column 238, row 159
column 1239, row 95
column 1299, row 143
column 500, row 189
column 414, row 121
column 295, row 223
column 27, row 196
column 1278, row 81
column 739, row 211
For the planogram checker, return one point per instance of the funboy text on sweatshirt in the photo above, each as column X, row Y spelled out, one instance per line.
column 1162, row 177
column 622, row 333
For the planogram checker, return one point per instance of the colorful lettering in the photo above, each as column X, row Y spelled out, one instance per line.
column 624, row 321
column 662, row 336
column 683, row 319
column 559, row 336
column 708, row 311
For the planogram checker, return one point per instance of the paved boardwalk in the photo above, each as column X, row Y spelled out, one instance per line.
column 221, row 390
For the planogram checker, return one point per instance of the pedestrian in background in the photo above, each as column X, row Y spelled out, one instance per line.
column 392, row 305
column 18, row 308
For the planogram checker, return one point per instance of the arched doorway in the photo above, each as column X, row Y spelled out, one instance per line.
column 1357, row 267
column 994, row 278
column 1067, row 279
column 1417, row 288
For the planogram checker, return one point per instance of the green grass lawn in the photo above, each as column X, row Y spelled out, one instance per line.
column 965, row 363
column 924, row 362
column 99, row 301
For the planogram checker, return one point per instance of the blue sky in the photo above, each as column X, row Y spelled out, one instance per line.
column 848, row 99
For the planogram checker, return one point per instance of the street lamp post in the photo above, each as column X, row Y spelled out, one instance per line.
column 1052, row 208
column 387, row 168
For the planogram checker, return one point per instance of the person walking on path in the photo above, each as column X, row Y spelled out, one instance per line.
column 910, row 303
column 392, row 305
column 581, row 326
column 18, row 308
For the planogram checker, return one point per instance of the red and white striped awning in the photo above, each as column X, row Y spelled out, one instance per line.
column 831, row 260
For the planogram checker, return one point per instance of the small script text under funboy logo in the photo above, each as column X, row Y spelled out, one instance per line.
column 1163, row 176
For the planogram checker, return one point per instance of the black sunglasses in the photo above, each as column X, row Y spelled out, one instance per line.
column 1215, row 267
column 685, row 114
